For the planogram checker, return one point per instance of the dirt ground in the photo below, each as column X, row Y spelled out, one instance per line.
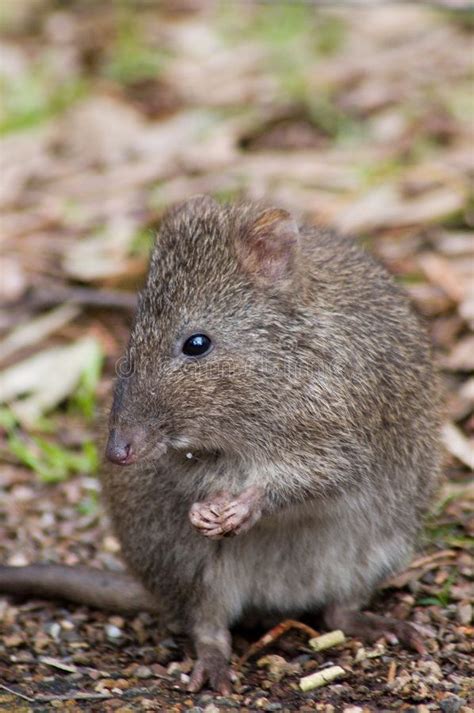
column 360, row 117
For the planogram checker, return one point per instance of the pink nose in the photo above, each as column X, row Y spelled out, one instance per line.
column 119, row 449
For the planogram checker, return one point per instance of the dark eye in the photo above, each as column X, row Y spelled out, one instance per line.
column 197, row 345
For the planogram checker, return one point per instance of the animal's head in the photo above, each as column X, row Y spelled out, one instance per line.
column 213, row 323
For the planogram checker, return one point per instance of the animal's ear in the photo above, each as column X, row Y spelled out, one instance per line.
column 267, row 247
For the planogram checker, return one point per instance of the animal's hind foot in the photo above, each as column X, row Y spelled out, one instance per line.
column 211, row 667
column 370, row 627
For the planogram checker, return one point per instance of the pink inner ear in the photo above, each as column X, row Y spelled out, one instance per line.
column 267, row 250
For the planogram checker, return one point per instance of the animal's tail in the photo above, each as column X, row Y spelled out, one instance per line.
column 111, row 591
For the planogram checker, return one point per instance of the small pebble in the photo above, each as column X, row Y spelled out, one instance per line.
column 464, row 613
column 277, row 666
column 204, row 699
column 17, row 560
column 55, row 631
column 211, row 708
column 111, row 544
column 113, row 632
column 229, row 702
column 143, row 672
column 66, row 625
column 452, row 704
column 173, row 668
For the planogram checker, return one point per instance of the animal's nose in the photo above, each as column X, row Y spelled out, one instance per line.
column 119, row 448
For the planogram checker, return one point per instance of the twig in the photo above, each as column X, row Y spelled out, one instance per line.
column 418, row 567
column 392, row 670
column 86, row 296
column 74, row 696
column 271, row 636
column 441, row 554
column 15, row 693
column 48, row 661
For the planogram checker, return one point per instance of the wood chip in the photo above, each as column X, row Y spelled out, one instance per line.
column 327, row 641
column 321, row 678
column 392, row 670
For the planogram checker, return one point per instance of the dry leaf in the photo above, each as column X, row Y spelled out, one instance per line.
column 385, row 207
column 46, row 379
column 439, row 271
column 461, row 357
column 25, row 335
column 458, row 445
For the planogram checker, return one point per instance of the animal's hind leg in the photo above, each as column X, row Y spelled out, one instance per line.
column 371, row 627
column 212, row 642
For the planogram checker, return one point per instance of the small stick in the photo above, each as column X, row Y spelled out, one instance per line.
column 427, row 559
column 392, row 669
column 271, row 636
column 15, row 693
column 74, row 696
column 86, row 296
column 327, row 641
column 321, row 678
column 48, row 661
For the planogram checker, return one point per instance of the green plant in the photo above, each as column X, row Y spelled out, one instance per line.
column 35, row 97
column 443, row 597
column 89, row 505
column 50, row 461
column 130, row 60
column 142, row 243
column 84, row 398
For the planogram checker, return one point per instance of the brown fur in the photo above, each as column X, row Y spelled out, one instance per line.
column 322, row 395
column 319, row 393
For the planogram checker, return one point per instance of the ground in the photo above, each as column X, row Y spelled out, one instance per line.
column 356, row 117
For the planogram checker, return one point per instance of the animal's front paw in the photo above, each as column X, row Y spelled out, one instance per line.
column 239, row 516
column 226, row 515
column 206, row 516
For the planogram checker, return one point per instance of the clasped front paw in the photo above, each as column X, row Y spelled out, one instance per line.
column 225, row 515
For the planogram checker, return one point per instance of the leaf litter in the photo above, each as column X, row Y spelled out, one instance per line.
column 354, row 117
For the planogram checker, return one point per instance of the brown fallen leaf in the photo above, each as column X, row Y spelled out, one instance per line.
column 26, row 335
column 461, row 357
column 458, row 445
column 439, row 271
column 418, row 568
column 385, row 207
column 45, row 379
